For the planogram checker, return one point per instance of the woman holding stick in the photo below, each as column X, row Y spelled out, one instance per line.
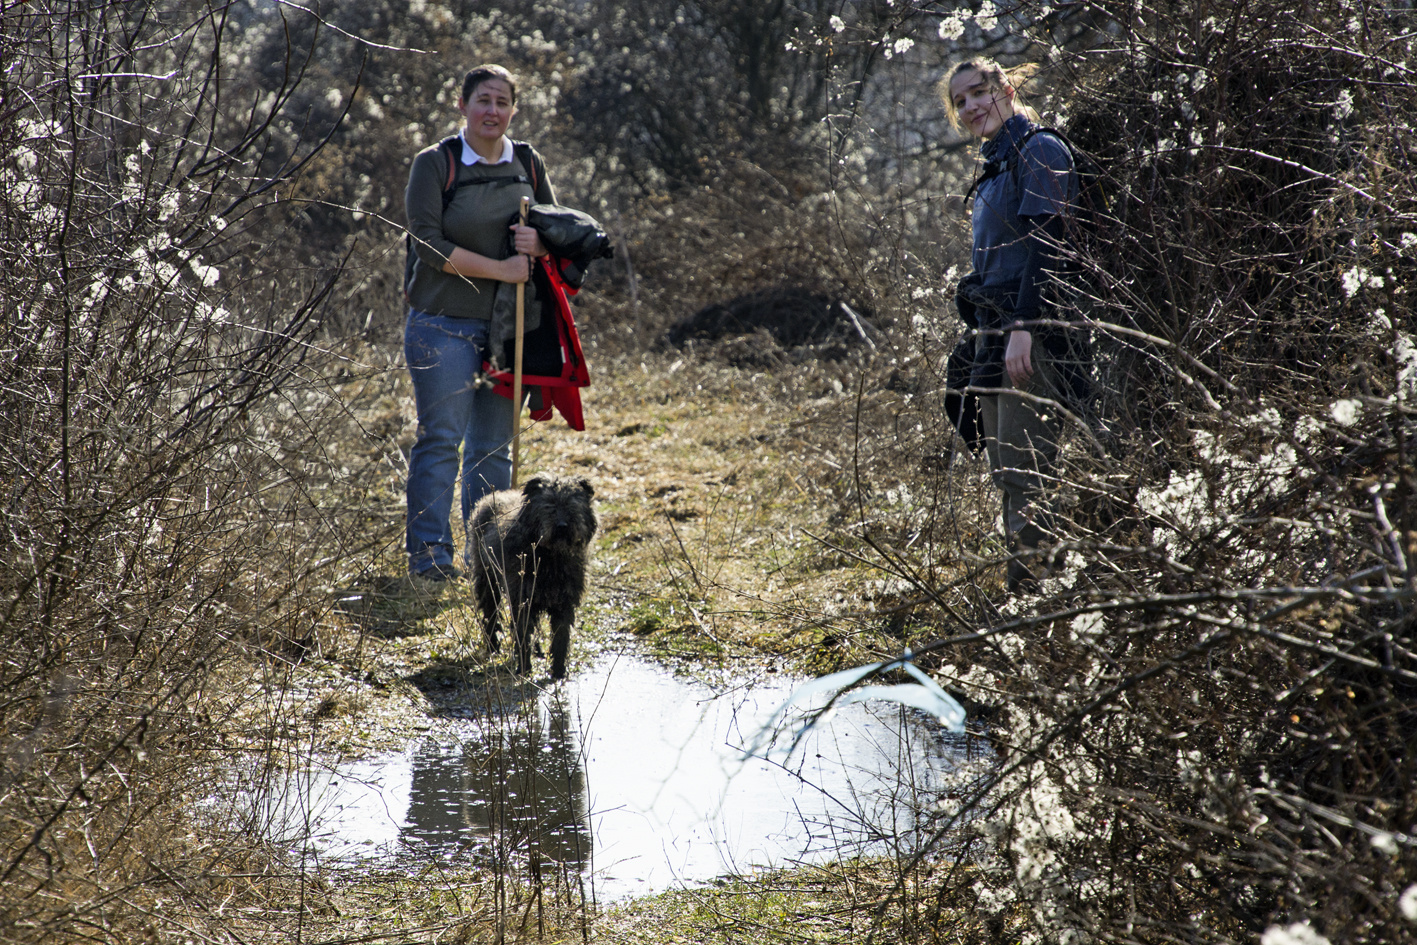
column 461, row 195
column 1022, row 370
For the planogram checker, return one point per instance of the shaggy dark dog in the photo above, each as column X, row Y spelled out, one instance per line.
column 530, row 548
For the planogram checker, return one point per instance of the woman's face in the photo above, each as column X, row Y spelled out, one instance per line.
column 981, row 106
column 489, row 111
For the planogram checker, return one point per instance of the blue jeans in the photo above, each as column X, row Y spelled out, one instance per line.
column 445, row 357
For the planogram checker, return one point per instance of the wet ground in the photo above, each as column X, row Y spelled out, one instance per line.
column 630, row 777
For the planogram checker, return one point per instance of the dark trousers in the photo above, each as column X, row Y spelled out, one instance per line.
column 1021, row 438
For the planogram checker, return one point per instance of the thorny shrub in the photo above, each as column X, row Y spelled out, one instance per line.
column 163, row 506
column 1205, row 721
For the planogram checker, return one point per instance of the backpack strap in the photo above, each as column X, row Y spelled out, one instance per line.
column 535, row 167
column 1049, row 130
column 451, row 147
column 993, row 169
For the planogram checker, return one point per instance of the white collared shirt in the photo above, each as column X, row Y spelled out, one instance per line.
column 471, row 157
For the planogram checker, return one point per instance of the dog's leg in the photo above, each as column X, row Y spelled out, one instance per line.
column 525, row 620
column 489, row 601
column 487, row 583
column 521, row 590
column 560, row 641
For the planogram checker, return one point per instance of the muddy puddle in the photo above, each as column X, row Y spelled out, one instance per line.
column 631, row 779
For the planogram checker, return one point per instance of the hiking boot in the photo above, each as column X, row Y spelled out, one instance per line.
column 1019, row 579
column 438, row 574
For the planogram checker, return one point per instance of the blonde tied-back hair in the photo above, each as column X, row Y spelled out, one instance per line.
column 998, row 78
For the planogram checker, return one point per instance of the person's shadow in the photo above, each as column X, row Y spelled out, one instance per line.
column 389, row 607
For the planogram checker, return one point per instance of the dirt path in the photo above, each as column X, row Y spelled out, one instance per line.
column 706, row 552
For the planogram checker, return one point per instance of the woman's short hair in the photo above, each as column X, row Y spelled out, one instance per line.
column 481, row 74
column 996, row 76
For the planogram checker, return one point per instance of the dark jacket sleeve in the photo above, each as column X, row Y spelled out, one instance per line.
column 1043, row 236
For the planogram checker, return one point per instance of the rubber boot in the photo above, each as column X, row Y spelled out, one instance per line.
column 1029, row 560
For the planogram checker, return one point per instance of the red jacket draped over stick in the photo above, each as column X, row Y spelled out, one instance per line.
column 553, row 365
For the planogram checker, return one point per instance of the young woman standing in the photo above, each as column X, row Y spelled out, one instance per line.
column 1022, row 200
column 462, row 256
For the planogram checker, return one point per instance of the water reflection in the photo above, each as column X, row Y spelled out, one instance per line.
column 513, row 787
column 635, row 779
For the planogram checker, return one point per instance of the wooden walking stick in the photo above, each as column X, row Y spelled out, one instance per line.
column 517, row 362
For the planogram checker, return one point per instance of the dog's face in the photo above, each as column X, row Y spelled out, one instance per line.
column 559, row 509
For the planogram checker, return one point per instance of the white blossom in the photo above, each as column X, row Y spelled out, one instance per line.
column 214, row 313
column 1359, row 277
column 951, row 27
column 1405, row 353
column 837, row 24
column 993, row 900
column 1300, row 933
column 209, row 275
column 1088, row 626
column 27, row 160
column 1380, row 326
column 1385, row 843
column 1345, row 412
column 1407, row 903
column 132, row 177
column 168, row 205
column 1184, row 498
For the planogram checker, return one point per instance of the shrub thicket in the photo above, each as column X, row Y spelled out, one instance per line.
column 1205, row 721
column 161, row 518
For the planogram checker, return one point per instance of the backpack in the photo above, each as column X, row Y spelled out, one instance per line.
column 1093, row 205
column 451, row 148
